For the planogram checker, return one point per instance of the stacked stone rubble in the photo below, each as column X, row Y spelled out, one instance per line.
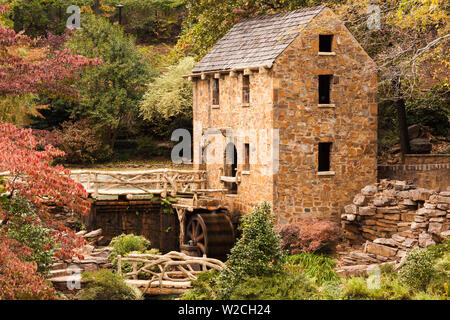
column 393, row 217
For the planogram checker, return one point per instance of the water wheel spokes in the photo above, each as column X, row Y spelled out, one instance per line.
column 196, row 232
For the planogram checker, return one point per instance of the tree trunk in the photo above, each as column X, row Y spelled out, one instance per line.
column 401, row 117
column 96, row 7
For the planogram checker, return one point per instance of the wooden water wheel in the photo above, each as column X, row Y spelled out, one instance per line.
column 213, row 233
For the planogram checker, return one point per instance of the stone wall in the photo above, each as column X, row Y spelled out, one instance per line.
column 394, row 217
column 350, row 123
column 432, row 176
column 427, row 159
column 238, row 118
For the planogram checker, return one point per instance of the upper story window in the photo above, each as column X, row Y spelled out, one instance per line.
column 215, row 91
column 246, row 89
column 325, row 42
column 324, row 156
column 324, row 88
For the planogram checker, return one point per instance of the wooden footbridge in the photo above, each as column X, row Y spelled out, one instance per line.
column 202, row 216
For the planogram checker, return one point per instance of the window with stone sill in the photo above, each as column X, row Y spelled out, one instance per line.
column 324, row 89
column 324, row 157
column 325, row 43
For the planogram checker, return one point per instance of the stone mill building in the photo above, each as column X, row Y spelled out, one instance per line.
column 285, row 110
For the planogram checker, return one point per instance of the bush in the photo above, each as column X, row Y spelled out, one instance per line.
column 309, row 235
column 105, row 285
column 18, row 278
column 390, row 288
column 417, row 270
column 147, row 147
column 319, row 268
column 23, row 228
column 282, row 286
column 125, row 244
column 81, row 142
column 204, row 288
column 256, row 254
column 439, row 283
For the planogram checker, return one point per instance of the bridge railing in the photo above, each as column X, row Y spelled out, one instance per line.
column 158, row 181
column 174, row 270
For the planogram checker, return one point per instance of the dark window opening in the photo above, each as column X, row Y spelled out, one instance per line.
column 324, row 89
column 246, row 89
column 247, row 157
column 325, row 42
column 216, row 92
column 324, row 156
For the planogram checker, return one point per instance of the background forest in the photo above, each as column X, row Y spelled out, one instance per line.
column 126, row 104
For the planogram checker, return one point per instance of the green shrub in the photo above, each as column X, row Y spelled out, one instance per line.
column 129, row 243
column 281, row 286
column 256, row 254
column 30, row 234
column 204, row 287
column 439, row 282
column 126, row 243
column 388, row 288
column 318, row 267
column 417, row 269
column 105, row 285
column 147, row 147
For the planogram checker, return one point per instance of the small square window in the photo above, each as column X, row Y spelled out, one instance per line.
column 325, row 42
column 324, row 88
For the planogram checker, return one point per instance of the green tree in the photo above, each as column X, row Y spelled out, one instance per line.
column 208, row 21
column 256, row 254
column 170, row 95
column 110, row 94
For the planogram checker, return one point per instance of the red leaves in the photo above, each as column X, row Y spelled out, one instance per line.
column 43, row 69
column 309, row 235
column 18, row 278
column 38, row 181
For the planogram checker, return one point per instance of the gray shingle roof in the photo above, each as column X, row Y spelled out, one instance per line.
column 257, row 41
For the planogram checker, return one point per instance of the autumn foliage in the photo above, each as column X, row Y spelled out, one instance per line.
column 309, row 235
column 18, row 278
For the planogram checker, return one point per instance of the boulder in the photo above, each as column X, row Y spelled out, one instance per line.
column 369, row 190
column 420, row 146
column 380, row 249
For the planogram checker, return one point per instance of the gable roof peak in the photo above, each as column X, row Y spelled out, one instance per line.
column 257, row 41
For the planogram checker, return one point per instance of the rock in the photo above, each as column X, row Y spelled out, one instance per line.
column 356, row 271
column 369, row 190
column 392, row 216
column 420, row 146
column 442, row 199
column 445, row 234
column 443, row 206
column 351, row 217
column 380, row 202
column 351, row 209
column 367, row 211
column 380, row 249
column 434, row 227
column 425, row 240
column 420, row 194
column 360, row 200
column 420, row 219
column 398, row 238
column 409, row 202
column 81, row 233
column 409, row 242
column 386, row 241
column 93, row 234
column 418, row 225
column 417, row 131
